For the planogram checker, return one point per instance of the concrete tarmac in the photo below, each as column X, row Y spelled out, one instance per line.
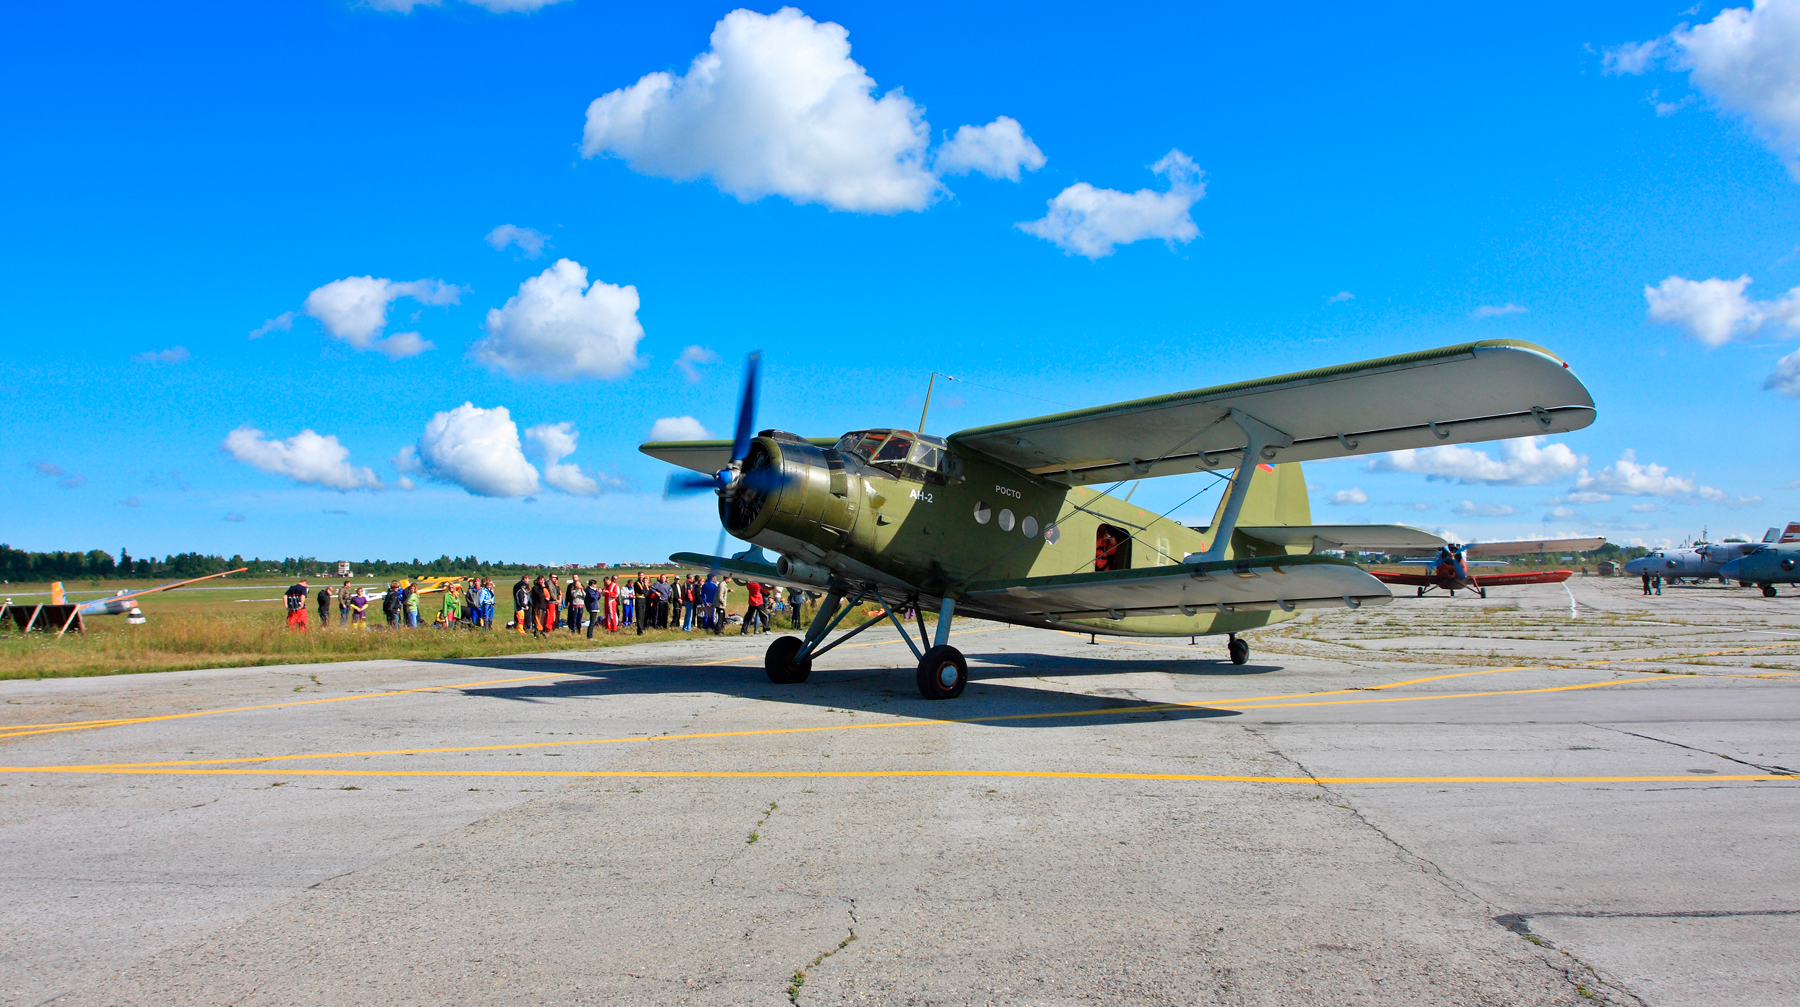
column 1546, row 797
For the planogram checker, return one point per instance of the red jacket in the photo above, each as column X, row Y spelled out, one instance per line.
column 755, row 593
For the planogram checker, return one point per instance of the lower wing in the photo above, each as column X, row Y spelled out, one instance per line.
column 1409, row 579
column 1503, row 579
column 1257, row 585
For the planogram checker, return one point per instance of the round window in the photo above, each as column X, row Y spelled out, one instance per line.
column 1787, row 564
column 1006, row 520
column 1029, row 526
column 1052, row 533
column 983, row 513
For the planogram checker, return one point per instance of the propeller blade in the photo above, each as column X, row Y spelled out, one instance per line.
column 746, row 423
column 683, row 484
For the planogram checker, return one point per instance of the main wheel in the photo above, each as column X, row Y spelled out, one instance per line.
column 1768, row 590
column 943, row 672
column 779, row 661
column 1239, row 650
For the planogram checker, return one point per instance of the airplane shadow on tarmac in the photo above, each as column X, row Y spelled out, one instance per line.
column 997, row 687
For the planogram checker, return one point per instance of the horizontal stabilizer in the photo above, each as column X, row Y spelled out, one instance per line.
column 1452, row 395
column 1256, row 585
column 1351, row 537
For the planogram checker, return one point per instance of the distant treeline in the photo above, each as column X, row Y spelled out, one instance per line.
column 18, row 565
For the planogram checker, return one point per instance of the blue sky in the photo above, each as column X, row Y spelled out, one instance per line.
column 182, row 176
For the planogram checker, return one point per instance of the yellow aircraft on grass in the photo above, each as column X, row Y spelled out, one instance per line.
column 1004, row 522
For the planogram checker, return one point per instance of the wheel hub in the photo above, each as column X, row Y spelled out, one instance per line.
column 947, row 675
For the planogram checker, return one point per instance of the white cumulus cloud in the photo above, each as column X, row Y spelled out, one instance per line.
column 530, row 242
column 1747, row 60
column 1629, row 477
column 306, row 457
column 1786, row 378
column 355, row 309
column 678, row 428
column 692, row 359
column 1526, row 461
column 477, row 449
column 1712, row 311
column 1340, row 297
column 1469, row 508
column 280, row 323
column 495, row 6
column 556, row 441
column 172, row 355
column 776, row 106
column 1083, row 220
column 997, row 150
column 1498, row 310
column 1353, row 495
column 559, row 327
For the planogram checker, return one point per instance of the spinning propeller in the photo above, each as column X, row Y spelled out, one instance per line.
column 731, row 481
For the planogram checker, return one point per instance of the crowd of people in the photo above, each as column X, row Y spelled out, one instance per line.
column 547, row 604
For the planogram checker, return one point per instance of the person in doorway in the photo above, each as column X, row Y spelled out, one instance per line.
column 296, row 605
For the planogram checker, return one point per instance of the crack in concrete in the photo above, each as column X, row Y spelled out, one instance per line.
column 1457, row 888
column 799, row 978
column 1774, row 769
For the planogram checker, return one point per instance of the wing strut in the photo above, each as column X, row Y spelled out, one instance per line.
column 1263, row 442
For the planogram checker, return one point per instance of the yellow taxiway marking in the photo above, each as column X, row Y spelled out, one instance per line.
column 1259, row 703
column 899, row 773
column 76, row 725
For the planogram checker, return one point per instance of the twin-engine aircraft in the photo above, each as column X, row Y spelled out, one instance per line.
column 1450, row 567
column 1005, row 522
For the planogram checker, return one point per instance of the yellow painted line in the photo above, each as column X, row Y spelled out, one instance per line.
column 890, row 773
column 80, row 725
column 1242, row 704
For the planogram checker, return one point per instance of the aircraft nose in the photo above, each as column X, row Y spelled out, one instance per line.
column 1730, row 570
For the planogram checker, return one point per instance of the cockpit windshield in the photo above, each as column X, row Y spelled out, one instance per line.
column 901, row 453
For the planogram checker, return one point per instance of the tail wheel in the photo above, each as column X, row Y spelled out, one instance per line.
column 1239, row 650
column 1484, row 592
column 779, row 661
column 943, row 672
column 1421, row 592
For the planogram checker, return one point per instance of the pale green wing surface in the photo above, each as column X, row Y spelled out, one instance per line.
column 1456, row 394
column 1354, row 537
column 1257, row 585
column 704, row 456
column 1529, row 547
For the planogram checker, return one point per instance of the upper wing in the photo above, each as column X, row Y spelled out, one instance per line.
column 1354, row 537
column 1534, row 546
column 704, row 456
column 1473, row 392
column 1503, row 579
column 1257, row 585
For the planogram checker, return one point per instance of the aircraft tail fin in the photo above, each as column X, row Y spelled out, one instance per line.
column 57, row 597
column 1277, row 496
column 1792, row 532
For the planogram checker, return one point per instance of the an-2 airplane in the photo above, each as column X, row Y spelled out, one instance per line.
column 1450, row 568
column 1005, row 522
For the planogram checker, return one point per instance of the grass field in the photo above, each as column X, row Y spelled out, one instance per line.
column 229, row 623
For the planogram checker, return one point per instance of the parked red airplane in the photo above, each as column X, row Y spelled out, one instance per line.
column 1450, row 569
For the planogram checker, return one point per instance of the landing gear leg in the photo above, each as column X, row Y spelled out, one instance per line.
column 784, row 660
column 943, row 671
column 1238, row 649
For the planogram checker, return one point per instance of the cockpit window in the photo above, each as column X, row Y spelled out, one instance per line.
column 901, row 453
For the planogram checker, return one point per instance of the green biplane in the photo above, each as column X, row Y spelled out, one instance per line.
column 1005, row 522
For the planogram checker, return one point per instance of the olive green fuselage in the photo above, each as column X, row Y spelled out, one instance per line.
column 978, row 522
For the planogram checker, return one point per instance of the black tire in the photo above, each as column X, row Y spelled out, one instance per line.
column 1239, row 651
column 1484, row 592
column 1421, row 592
column 779, row 661
column 938, row 664
column 1768, row 590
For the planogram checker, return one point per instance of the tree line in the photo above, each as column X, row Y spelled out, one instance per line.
column 21, row 565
